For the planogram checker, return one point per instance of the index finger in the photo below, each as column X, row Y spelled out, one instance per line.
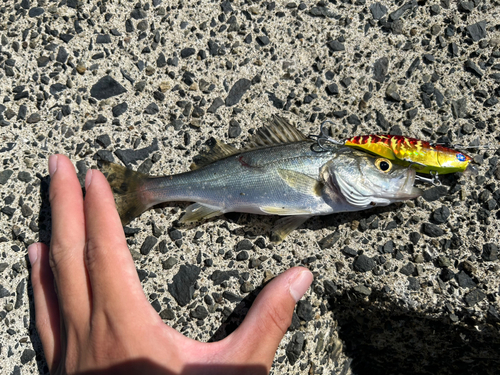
column 68, row 241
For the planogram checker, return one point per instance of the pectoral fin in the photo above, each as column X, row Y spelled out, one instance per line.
column 285, row 226
column 301, row 182
column 197, row 212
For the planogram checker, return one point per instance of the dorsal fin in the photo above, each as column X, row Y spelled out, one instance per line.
column 277, row 131
column 217, row 150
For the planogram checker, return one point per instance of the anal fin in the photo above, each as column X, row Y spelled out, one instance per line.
column 197, row 212
column 271, row 210
column 285, row 226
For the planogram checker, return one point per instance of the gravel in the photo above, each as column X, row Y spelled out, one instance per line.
column 148, row 84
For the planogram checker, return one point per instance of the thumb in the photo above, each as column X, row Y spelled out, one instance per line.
column 258, row 337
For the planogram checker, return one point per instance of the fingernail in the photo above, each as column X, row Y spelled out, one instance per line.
column 33, row 250
column 52, row 164
column 300, row 284
column 88, row 179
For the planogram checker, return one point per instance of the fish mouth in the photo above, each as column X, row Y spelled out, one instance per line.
column 407, row 190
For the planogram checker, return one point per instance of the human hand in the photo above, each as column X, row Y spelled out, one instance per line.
column 91, row 312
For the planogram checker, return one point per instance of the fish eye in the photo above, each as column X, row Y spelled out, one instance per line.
column 383, row 164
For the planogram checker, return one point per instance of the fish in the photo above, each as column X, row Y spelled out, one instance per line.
column 281, row 172
column 425, row 157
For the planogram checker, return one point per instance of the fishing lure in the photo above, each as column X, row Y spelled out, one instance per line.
column 425, row 157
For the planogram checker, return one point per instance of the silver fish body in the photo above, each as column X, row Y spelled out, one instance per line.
column 284, row 174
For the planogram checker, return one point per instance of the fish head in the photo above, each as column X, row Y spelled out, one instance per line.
column 364, row 180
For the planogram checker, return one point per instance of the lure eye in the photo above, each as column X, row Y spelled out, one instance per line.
column 383, row 164
column 461, row 157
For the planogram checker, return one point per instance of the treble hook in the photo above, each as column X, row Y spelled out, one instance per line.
column 323, row 138
column 434, row 180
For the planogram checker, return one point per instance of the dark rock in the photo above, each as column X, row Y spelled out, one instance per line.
column 459, row 108
column 464, row 280
column 363, row 264
column 414, row 65
column 4, row 176
column 242, row 255
column 328, row 241
column 477, row 31
column 490, row 252
column 415, row 237
column 305, row 310
column 380, row 69
column 378, row 10
column 471, row 67
column 24, row 176
column 182, row 287
column 335, row 46
column 433, row 194
column 414, row 284
column 408, row 270
column 19, row 294
column 89, row 124
column 397, row 14
column 432, row 230
column 294, row 347
column 27, row 356
column 244, row 245
column 33, row 118
column 103, row 39
column 237, row 91
column 152, row 109
column 199, row 312
column 148, row 244
column 138, row 14
column 231, row 297
column 186, row 52
column 263, row 40
column 42, row 61
column 130, row 156
column 381, row 121
column 234, row 129
column 218, row 277
column 57, row 87
column 106, row 87
column 332, row 89
column 36, row 11
column 175, row 234
column 169, row 263
column 441, row 215
column 218, row 102
column 474, row 297
column 119, row 109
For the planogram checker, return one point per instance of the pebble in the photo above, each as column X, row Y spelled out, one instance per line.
column 304, row 310
column 237, row 91
column 129, row 156
column 148, row 244
column 336, row 46
column 473, row 297
column 27, row 356
column 5, row 176
column 490, row 252
column 169, row 263
column 199, row 312
column 182, row 286
column 441, row 215
column 477, row 31
column 119, row 109
column 218, row 276
column 106, row 88
column 363, row 264
column 378, row 10
column 434, row 193
column 432, row 230
column 328, row 241
column 294, row 347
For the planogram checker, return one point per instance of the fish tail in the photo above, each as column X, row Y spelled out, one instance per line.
column 127, row 187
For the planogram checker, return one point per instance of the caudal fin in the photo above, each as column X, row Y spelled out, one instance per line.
column 126, row 187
